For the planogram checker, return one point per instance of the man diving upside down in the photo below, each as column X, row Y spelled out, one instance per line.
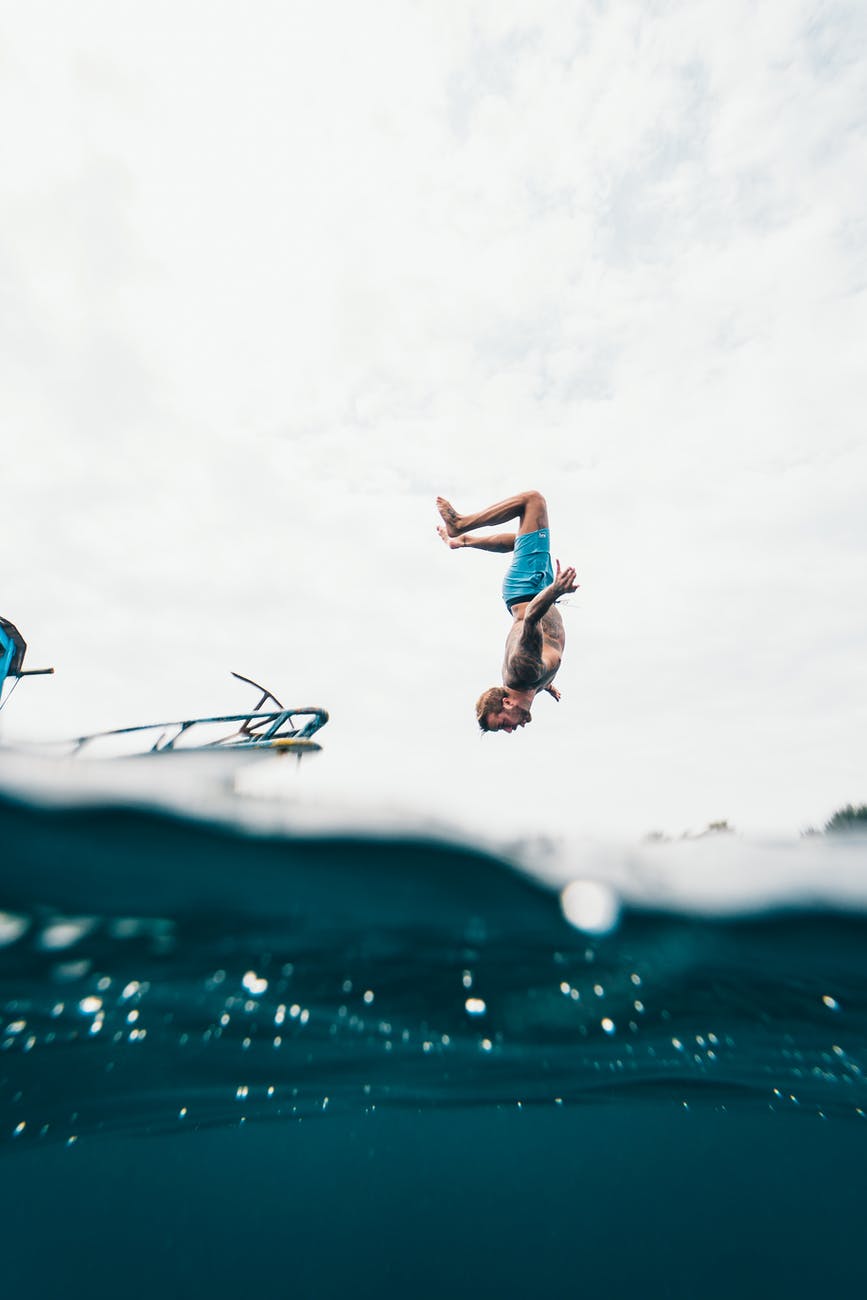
column 534, row 646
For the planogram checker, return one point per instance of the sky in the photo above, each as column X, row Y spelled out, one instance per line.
column 273, row 277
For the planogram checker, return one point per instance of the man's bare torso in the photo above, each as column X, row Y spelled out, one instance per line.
column 533, row 656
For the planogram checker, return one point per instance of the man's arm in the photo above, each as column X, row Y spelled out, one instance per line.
column 563, row 584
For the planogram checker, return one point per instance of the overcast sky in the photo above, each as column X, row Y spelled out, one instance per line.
column 273, row 276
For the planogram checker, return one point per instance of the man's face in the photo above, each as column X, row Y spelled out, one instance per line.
column 509, row 717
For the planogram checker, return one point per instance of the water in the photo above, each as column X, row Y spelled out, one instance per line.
column 332, row 1063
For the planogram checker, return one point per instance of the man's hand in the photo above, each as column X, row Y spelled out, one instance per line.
column 564, row 582
column 552, row 690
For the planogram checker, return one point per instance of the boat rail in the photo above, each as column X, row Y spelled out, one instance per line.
column 277, row 729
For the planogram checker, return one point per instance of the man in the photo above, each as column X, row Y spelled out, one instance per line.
column 534, row 646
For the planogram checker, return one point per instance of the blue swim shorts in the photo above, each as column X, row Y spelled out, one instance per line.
column 531, row 569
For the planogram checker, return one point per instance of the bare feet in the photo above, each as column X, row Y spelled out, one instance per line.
column 452, row 542
column 450, row 516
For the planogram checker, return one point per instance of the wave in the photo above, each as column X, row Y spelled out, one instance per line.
column 161, row 973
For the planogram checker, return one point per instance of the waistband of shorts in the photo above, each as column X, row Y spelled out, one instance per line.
column 520, row 600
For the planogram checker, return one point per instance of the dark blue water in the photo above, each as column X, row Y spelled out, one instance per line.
column 329, row 1066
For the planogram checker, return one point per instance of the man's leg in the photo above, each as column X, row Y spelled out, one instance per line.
column 530, row 507
column 494, row 542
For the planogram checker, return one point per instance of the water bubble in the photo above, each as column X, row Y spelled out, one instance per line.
column 64, row 933
column 70, row 971
column 590, row 906
column 11, row 928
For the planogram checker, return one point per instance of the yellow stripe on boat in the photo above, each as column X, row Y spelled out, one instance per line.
column 296, row 743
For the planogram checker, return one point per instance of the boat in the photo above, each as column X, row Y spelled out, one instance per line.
column 13, row 648
column 278, row 729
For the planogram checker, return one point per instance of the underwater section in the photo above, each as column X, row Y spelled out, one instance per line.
column 160, row 974
column 321, row 1063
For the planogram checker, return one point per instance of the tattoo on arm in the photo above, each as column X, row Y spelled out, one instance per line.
column 552, row 630
column 530, row 640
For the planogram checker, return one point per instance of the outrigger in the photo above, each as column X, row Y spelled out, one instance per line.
column 279, row 729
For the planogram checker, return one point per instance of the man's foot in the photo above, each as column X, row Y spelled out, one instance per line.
column 450, row 516
column 451, row 542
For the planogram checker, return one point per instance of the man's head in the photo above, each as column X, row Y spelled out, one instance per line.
column 497, row 710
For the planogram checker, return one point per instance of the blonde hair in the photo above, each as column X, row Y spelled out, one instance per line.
column 490, row 701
